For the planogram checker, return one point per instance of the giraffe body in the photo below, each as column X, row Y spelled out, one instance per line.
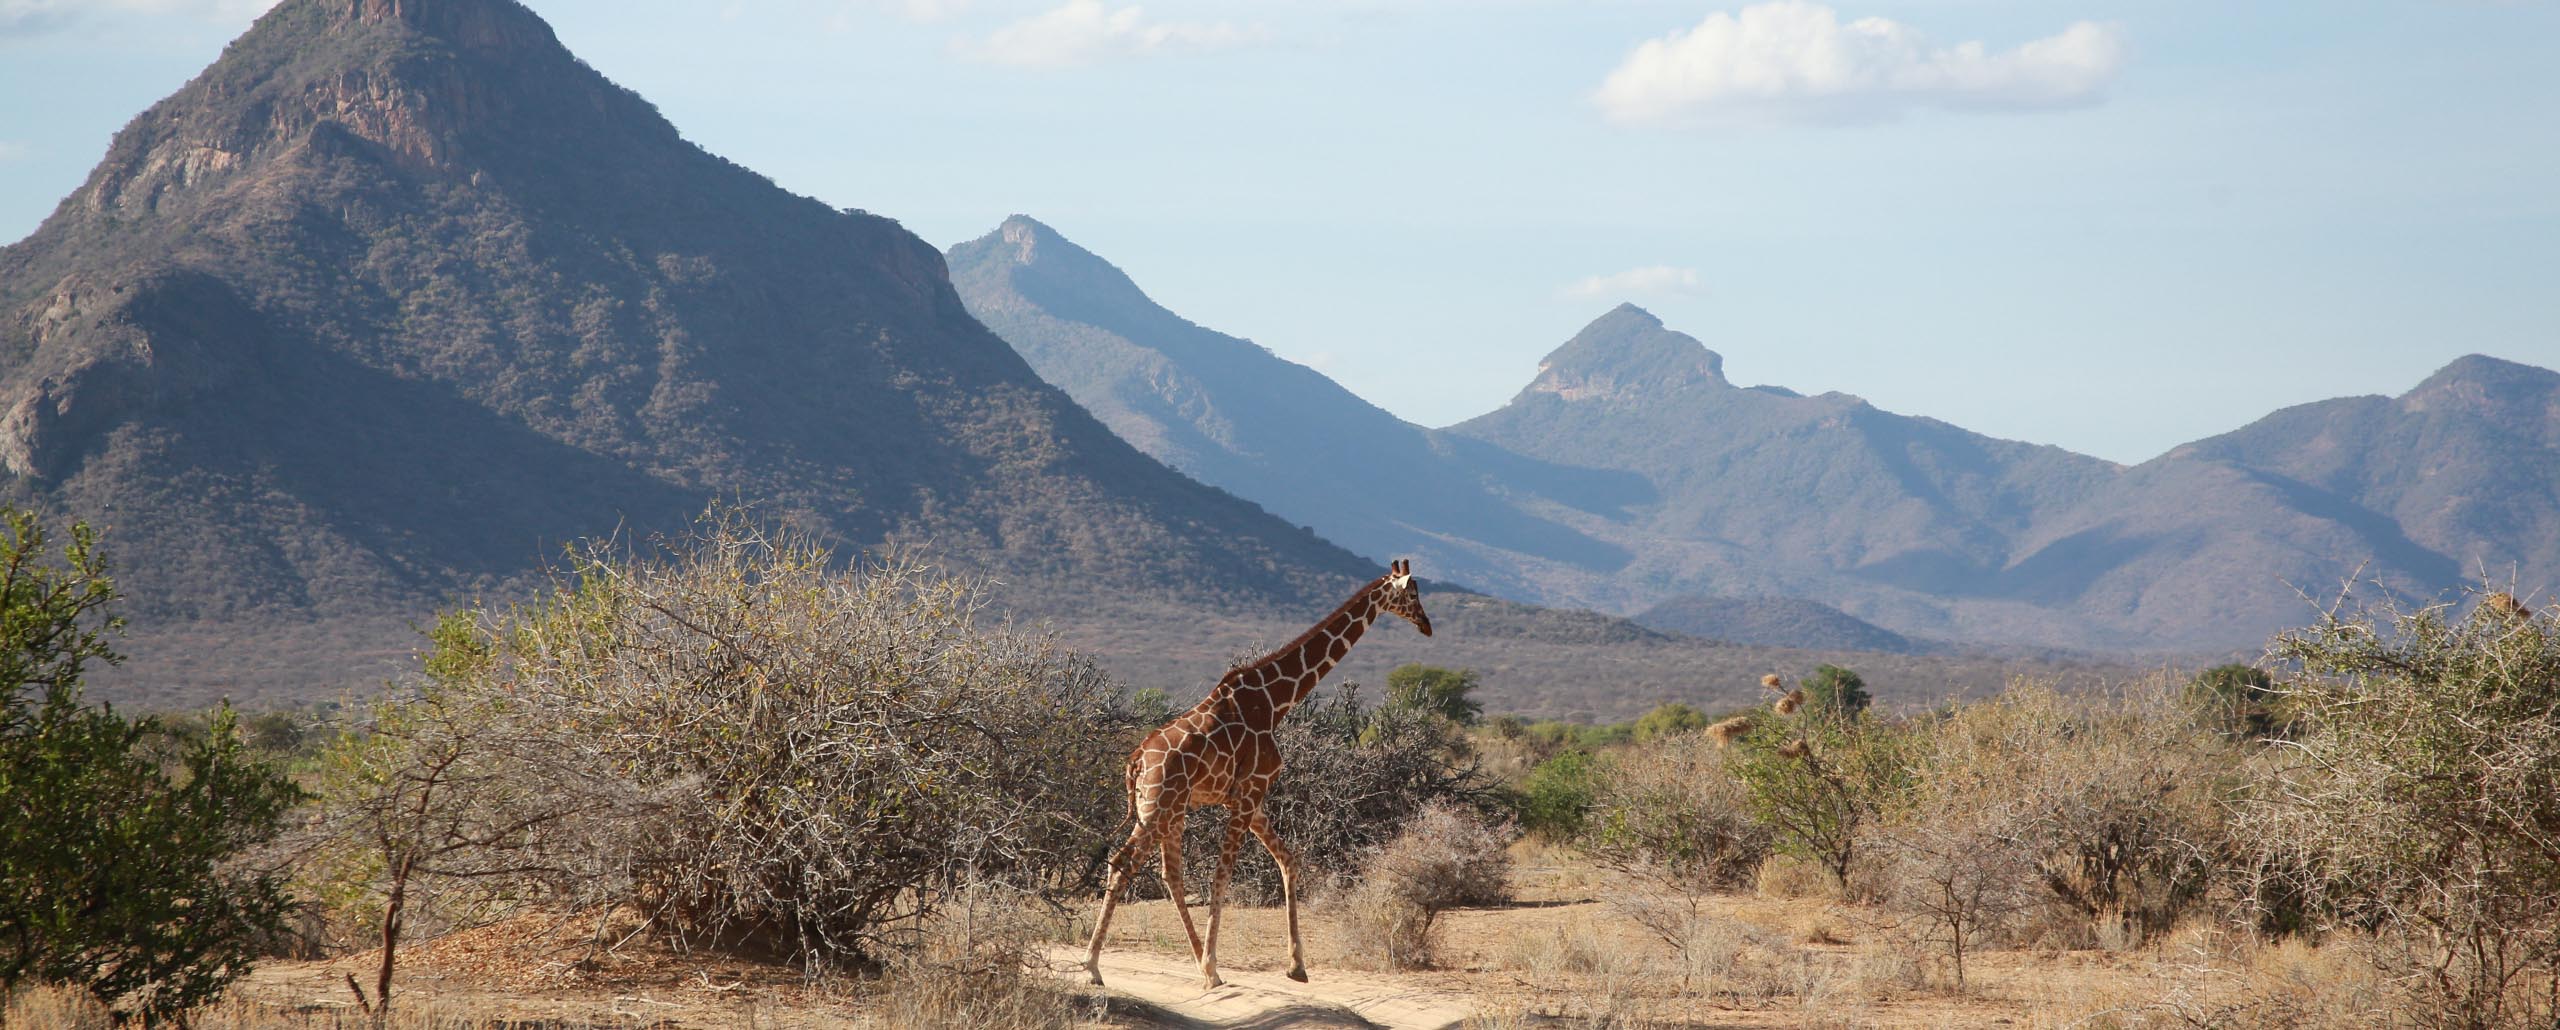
column 1223, row 752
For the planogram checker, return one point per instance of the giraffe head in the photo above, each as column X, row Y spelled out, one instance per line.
column 1397, row 594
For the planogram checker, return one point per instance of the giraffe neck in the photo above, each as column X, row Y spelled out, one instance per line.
column 1296, row 668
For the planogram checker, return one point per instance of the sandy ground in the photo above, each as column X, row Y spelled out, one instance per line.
column 1565, row 954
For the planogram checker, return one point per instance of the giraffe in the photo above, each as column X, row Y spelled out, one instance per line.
column 1222, row 751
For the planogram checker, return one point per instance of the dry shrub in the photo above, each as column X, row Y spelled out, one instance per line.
column 2049, row 816
column 2286, row 985
column 1787, row 876
column 2422, row 799
column 976, row 962
column 1388, row 932
column 1673, row 810
column 1445, row 858
column 1572, row 947
column 740, row 736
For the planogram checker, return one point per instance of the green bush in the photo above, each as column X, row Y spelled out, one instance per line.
column 1669, row 719
column 1558, row 795
column 1837, row 689
column 1430, row 688
column 1818, row 778
column 118, row 870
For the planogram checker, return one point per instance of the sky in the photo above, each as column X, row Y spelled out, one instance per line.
column 2110, row 226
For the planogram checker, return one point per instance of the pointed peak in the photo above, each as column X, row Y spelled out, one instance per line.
column 471, row 24
column 2483, row 369
column 1626, row 313
column 1026, row 240
column 1628, row 352
column 1025, row 224
column 2489, row 387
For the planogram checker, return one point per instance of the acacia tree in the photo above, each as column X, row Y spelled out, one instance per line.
column 741, row 737
column 117, row 873
column 2425, row 800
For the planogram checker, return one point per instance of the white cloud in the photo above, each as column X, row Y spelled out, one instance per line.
column 28, row 17
column 1651, row 280
column 1793, row 60
column 1088, row 31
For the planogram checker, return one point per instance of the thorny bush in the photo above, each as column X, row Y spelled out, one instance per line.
column 741, row 736
column 2423, row 799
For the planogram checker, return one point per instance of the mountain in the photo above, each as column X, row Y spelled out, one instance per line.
column 1774, row 621
column 1631, row 475
column 1236, row 416
column 1927, row 528
column 398, row 296
column 2465, row 466
column 1828, row 482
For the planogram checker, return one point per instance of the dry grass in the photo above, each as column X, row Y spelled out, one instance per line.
column 67, row 1008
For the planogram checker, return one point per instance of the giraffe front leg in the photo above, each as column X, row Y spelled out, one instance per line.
column 1288, row 864
column 1234, row 843
column 1169, row 844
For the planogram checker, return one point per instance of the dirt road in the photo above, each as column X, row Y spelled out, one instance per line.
column 1168, row 989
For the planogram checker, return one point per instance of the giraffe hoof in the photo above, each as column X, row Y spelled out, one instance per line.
column 1094, row 975
column 1298, row 975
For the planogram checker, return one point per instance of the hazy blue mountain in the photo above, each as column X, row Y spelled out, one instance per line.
column 2465, row 466
column 1239, row 417
column 1827, row 482
column 1927, row 528
column 1775, row 621
column 398, row 296
column 1631, row 475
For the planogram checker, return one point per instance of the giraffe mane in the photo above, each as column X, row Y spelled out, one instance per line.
column 1228, row 679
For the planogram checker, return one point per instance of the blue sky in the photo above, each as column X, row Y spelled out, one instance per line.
column 2110, row 226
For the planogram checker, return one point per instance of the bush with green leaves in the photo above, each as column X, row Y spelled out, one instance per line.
column 1448, row 693
column 739, row 735
column 1836, row 688
column 2422, row 798
column 120, row 872
column 1817, row 778
column 1669, row 719
column 1556, row 799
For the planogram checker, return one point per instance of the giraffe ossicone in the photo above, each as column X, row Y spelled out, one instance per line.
column 1223, row 752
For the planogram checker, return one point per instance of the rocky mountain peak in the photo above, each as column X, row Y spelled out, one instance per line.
column 1627, row 353
column 2507, row 393
column 425, row 84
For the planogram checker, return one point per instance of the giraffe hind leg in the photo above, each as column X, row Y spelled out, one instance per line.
column 1123, row 868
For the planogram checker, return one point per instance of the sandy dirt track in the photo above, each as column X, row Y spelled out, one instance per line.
column 1169, row 988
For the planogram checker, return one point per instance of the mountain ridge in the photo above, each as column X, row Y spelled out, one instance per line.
column 1911, row 523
